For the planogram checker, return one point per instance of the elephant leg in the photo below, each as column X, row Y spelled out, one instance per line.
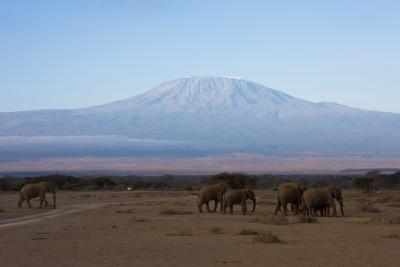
column 29, row 203
column 46, row 203
column 296, row 208
column 19, row 203
column 231, row 209
column 284, row 207
column 199, row 206
column 208, row 206
column 215, row 205
column 225, row 205
column 244, row 208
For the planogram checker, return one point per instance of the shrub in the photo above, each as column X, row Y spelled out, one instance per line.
column 306, row 219
column 367, row 207
column 180, row 233
column 249, row 232
column 126, row 211
column 138, row 220
column 174, row 212
column 267, row 238
column 394, row 235
column 273, row 219
column 234, row 180
column 217, row 231
column 365, row 183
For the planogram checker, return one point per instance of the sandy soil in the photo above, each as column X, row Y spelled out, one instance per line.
column 131, row 229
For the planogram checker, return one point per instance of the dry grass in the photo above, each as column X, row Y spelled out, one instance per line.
column 374, row 220
column 87, row 195
column 273, row 220
column 267, row 238
column 249, row 232
column 138, row 220
column 367, row 207
column 386, row 199
column 305, row 219
column 180, row 233
column 393, row 205
column 179, row 203
column 217, row 231
column 394, row 235
column 129, row 211
column 174, row 212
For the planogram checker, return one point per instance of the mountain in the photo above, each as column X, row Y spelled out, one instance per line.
column 203, row 115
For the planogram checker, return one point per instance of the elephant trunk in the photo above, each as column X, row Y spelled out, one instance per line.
column 254, row 204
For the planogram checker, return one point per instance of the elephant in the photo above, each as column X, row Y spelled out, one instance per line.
column 33, row 190
column 238, row 196
column 213, row 192
column 315, row 199
column 290, row 192
column 336, row 193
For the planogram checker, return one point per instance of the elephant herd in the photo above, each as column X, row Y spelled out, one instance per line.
column 308, row 202
column 302, row 201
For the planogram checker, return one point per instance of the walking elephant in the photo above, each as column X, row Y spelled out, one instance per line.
column 316, row 199
column 336, row 193
column 290, row 192
column 33, row 190
column 238, row 196
column 209, row 193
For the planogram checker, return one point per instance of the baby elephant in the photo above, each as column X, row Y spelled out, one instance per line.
column 238, row 196
column 30, row 191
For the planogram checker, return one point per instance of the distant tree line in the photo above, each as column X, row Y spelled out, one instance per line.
column 367, row 182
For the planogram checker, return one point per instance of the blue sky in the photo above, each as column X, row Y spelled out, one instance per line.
column 67, row 54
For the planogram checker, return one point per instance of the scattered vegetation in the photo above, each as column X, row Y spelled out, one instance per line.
column 394, row 235
column 305, row 219
column 130, row 211
column 217, row 231
column 179, row 203
column 180, row 233
column 234, row 180
column 249, row 232
column 273, row 220
column 174, row 212
column 138, row 220
column 367, row 206
column 374, row 220
column 364, row 183
column 267, row 238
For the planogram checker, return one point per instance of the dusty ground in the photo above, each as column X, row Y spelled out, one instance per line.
column 143, row 229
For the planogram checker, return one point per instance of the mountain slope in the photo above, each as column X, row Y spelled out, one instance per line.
column 212, row 114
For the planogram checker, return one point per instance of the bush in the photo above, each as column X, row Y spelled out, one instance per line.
column 174, row 212
column 267, row 238
column 273, row 219
column 217, row 231
column 180, row 233
column 249, row 232
column 367, row 207
column 234, row 180
column 364, row 183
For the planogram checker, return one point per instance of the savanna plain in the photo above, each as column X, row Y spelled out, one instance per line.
column 164, row 228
